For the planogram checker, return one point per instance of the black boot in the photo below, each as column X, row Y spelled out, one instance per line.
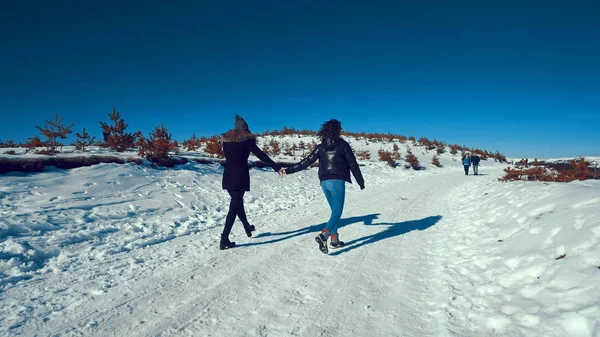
column 335, row 242
column 225, row 243
column 322, row 241
column 249, row 230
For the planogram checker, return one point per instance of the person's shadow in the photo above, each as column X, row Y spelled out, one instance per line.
column 365, row 219
column 392, row 230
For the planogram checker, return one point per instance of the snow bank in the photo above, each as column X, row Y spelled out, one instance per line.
column 526, row 260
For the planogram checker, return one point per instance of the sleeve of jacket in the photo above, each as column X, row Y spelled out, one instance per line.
column 353, row 165
column 263, row 156
column 304, row 163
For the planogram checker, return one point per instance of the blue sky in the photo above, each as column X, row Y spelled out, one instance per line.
column 519, row 77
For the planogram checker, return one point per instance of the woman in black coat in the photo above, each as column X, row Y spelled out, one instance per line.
column 237, row 145
column 336, row 161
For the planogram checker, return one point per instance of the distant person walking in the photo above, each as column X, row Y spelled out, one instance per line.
column 336, row 161
column 237, row 145
column 466, row 159
column 475, row 161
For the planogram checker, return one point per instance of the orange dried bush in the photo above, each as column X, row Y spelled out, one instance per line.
column 213, row 147
column 386, row 156
column 363, row 154
column 454, row 149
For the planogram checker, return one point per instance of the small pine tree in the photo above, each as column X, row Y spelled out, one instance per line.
column 386, row 156
column 115, row 136
column 192, row 144
column 10, row 143
column 411, row 160
column 33, row 143
column 142, row 145
column 581, row 169
column 213, row 147
column 174, row 147
column 441, row 148
column 288, row 150
column 275, row 149
column 266, row 148
column 54, row 130
column 160, row 143
column 436, row 161
column 83, row 140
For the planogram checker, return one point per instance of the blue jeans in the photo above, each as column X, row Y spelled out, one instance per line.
column 335, row 192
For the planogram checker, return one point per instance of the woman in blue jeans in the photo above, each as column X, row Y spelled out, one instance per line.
column 336, row 161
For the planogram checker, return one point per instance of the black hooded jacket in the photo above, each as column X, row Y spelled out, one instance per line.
column 336, row 160
column 237, row 145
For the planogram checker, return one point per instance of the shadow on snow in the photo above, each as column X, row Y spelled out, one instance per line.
column 366, row 219
column 391, row 230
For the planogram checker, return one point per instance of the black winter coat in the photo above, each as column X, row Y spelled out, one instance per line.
column 237, row 145
column 336, row 160
column 475, row 160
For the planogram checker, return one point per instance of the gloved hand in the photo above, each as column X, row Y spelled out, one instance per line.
column 362, row 187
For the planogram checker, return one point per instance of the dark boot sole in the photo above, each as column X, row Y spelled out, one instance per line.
column 224, row 246
column 250, row 230
column 322, row 245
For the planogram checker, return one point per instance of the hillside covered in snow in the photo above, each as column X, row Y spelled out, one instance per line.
column 132, row 250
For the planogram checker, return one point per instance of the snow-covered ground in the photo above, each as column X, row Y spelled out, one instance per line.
column 127, row 250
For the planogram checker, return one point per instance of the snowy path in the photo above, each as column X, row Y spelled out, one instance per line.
column 385, row 282
column 122, row 250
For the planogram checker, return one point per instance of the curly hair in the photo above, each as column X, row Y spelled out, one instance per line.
column 331, row 129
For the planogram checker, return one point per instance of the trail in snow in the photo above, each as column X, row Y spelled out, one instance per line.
column 428, row 254
column 385, row 282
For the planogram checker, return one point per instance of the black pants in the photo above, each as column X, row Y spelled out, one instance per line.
column 236, row 208
column 466, row 169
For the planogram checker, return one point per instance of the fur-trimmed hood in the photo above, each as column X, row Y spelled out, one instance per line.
column 237, row 136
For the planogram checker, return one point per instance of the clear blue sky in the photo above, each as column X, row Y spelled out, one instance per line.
column 521, row 77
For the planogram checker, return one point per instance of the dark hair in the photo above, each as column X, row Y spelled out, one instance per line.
column 331, row 129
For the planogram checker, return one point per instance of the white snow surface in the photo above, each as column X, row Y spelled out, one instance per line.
column 128, row 250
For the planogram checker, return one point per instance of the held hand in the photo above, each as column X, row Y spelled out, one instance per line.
column 281, row 172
